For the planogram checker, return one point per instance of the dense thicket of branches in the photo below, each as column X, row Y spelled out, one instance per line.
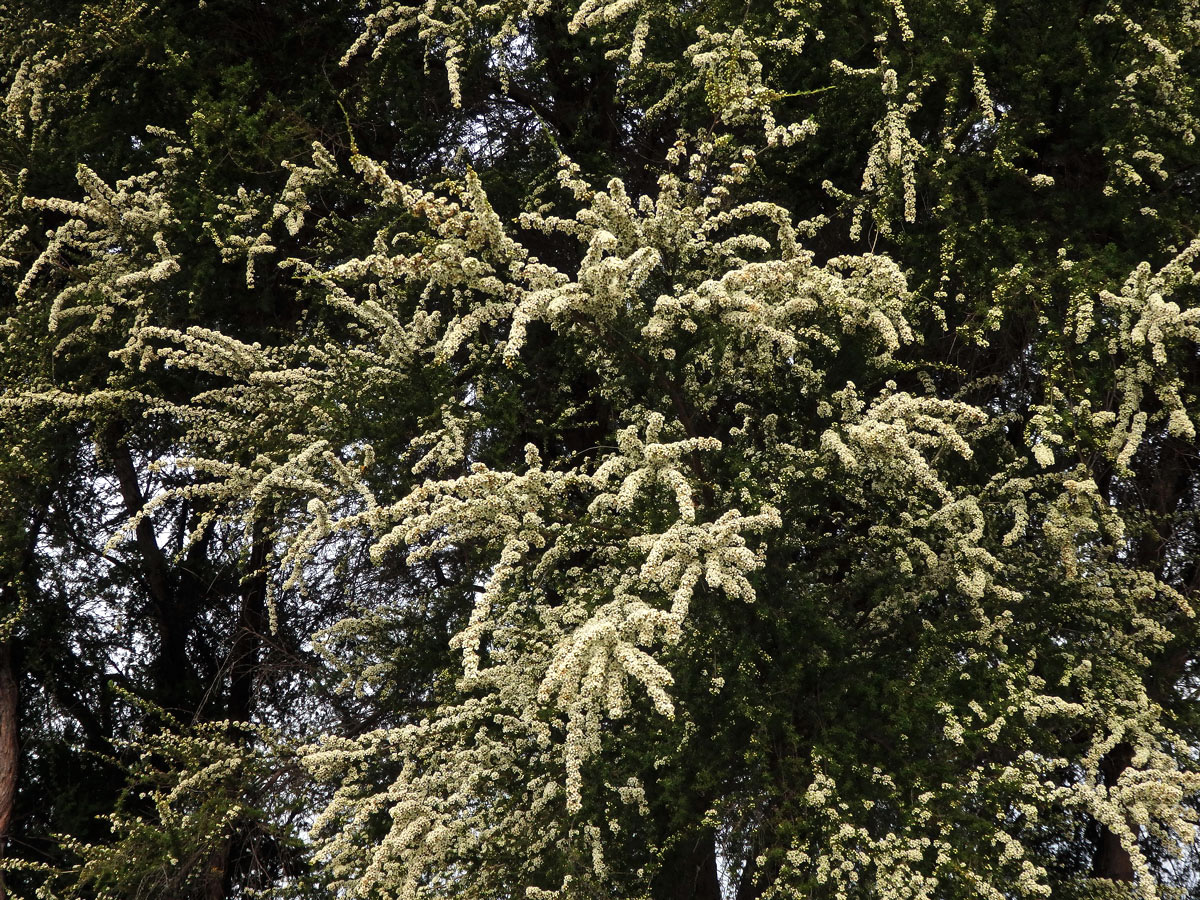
column 599, row 449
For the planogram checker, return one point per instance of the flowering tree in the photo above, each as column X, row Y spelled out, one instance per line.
column 750, row 453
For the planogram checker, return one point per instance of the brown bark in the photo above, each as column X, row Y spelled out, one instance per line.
column 9, row 749
column 1112, row 860
column 10, row 746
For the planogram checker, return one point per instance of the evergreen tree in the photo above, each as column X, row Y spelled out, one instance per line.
column 608, row 449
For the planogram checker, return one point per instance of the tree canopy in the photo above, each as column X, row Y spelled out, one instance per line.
column 613, row 448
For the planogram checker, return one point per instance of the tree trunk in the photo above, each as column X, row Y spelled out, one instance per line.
column 1168, row 488
column 748, row 886
column 1112, row 860
column 9, row 749
column 690, row 872
column 252, row 622
column 174, row 671
column 214, row 887
column 244, row 655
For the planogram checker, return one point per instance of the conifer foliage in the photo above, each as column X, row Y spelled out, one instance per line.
column 613, row 448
